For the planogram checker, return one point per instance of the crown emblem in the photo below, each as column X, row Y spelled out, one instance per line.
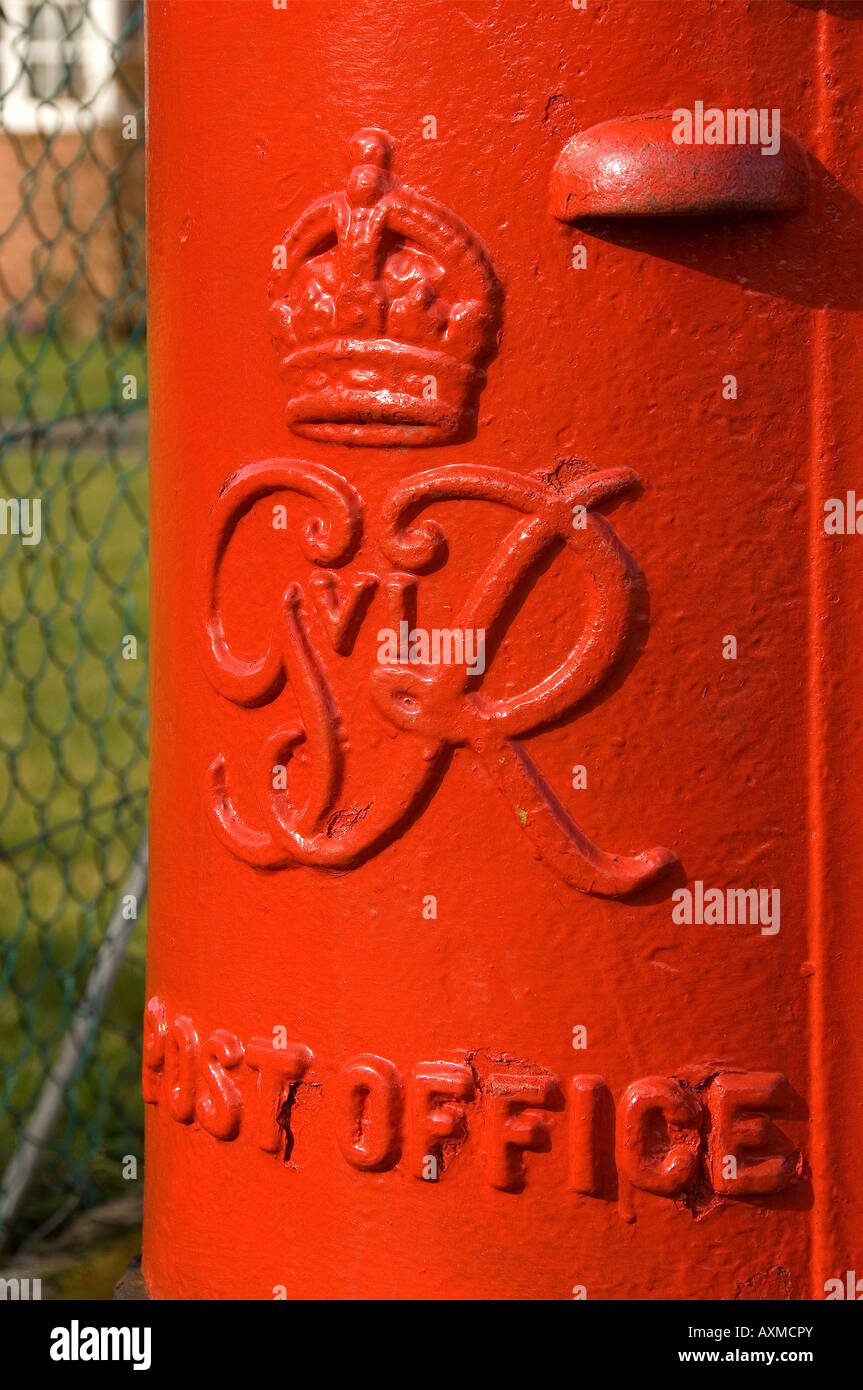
column 385, row 312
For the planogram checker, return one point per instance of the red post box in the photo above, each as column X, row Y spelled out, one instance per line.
column 505, row 813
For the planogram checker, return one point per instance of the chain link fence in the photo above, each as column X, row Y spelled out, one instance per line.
column 73, row 598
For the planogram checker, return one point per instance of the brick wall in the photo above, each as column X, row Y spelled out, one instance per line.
column 67, row 237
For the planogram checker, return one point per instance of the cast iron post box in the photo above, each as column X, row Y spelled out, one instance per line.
column 506, row 732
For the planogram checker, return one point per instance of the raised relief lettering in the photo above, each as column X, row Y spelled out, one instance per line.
column 743, row 1107
column 155, row 1035
column 672, row 1138
column 514, row 1124
column 437, row 1126
column 659, row 1136
column 219, row 1111
column 340, row 602
column 431, row 707
column 279, row 1070
column 370, row 1111
column 386, row 310
column 591, row 1135
column 181, row 1065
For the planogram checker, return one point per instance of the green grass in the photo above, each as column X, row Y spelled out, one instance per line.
column 72, row 756
column 43, row 378
column 69, row 701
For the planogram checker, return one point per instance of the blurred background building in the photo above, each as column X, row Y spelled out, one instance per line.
column 70, row 71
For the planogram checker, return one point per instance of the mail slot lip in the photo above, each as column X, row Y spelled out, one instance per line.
column 631, row 167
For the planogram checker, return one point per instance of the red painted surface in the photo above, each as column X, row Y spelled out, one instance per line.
column 426, row 1019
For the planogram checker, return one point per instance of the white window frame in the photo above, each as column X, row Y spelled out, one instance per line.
column 21, row 112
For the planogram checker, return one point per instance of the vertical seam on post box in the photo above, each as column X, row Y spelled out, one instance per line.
column 816, row 721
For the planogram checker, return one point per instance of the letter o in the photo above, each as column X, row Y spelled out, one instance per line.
column 369, row 1100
